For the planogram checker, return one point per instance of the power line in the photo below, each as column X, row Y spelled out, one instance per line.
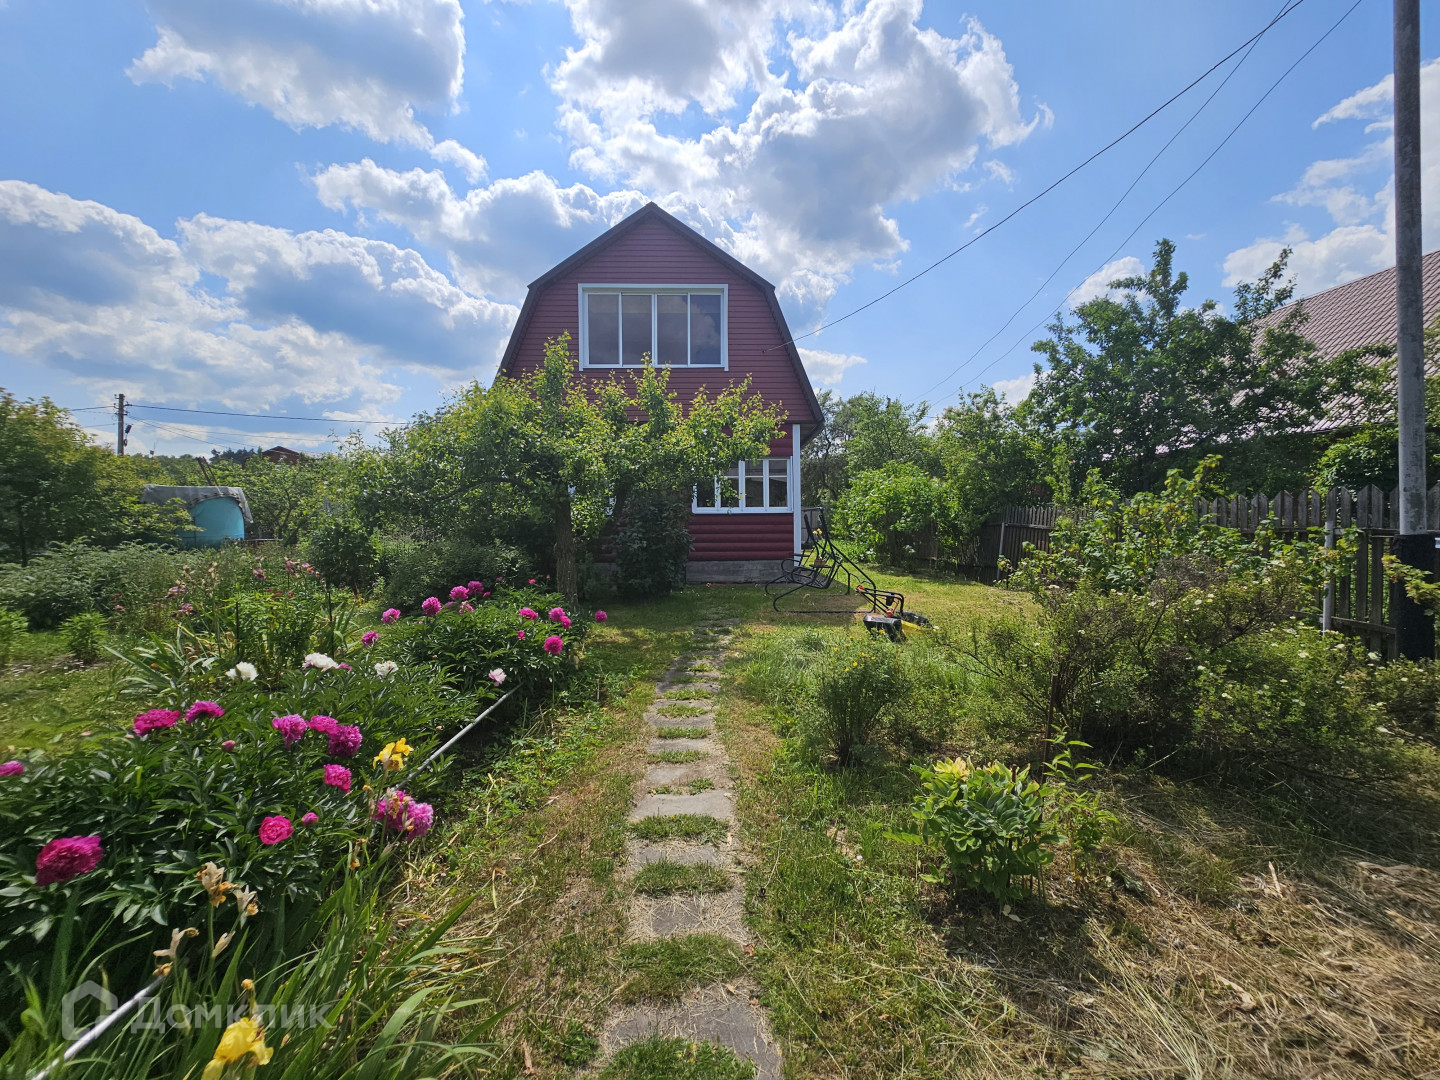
column 1054, row 184
column 1174, row 191
column 261, row 416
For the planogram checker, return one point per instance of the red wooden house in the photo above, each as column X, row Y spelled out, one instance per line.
column 654, row 286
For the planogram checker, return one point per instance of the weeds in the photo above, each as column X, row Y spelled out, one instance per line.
column 681, row 732
column 665, row 969
column 676, row 757
column 666, row 878
column 680, row 827
column 681, row 710
column 659, row 1058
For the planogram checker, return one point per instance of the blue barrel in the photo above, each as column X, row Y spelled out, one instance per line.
column 219, row 519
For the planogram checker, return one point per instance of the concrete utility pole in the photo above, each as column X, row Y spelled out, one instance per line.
column 120, row 428
column 1414, row 629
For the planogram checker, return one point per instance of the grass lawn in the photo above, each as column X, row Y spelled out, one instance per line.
column 46, row 694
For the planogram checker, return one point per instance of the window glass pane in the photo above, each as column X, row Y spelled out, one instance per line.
column 705, row 493
column 604, row 340
column 673, row 317
column 635, row 327
column 705, row 328
column 779, row 482
column 730, row 487
column 754, row 484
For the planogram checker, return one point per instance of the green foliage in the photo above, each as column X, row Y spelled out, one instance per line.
column 84, row 636
column 659, row 1058
column 989, row 821
column 12, row 627
column 659, row 970
column 653, row 545
column 1409, row 693
column 343, row 552
column 665, row 878
column 992, row 458
column 414, row 569
column 286, row 501
column 680, row 827
column 898, row 514
column 70, row 579
column 676, row 757
column 859, row 687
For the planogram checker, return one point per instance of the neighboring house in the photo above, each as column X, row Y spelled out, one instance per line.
column 654, row 286
column 282, row 455
column 1358, row 313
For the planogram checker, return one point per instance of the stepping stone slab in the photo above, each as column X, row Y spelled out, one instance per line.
column 657, row 746
column 708, row 1013
column 640, row 853
column 654, row 917
column 716, row 804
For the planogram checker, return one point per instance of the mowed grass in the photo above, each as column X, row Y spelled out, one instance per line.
column 665, row 969
column 659, row 1058
column 682, row 732
column 666, row 878
column 680, row 827
column 46, row 694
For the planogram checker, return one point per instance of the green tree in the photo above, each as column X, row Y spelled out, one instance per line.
column 991, row 456
column 286, row 501
column 1143, row 383
column 553, row 449
column 898, row 513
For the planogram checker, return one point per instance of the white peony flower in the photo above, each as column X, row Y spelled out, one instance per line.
column 243, row 670
column 386, row 668
column 497, row 676
column 320, row 661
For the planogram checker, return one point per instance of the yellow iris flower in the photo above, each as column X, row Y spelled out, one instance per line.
column 241, row 1038
column 393, row 756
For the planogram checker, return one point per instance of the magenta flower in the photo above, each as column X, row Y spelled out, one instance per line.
column 228, row 746
column 485, row 595
column 600, row 616
column 326, row 725
column 292, row 727
column 565, row 622
column 553, row 645
column 467, row 606
column 67, row 857
column 458, row 593
column 431, row 605
column 403, row 814
column 338, row 776
column 311, row 818
column 274, row 829
column 345, row 740
column 203, row 708
column 475, row 588
column 12, row 768
column 529, row 613
column 520, row 635
column 369, row 637
column 156, row 720
column 556, row 614
column 532, row 581
column 345, row 667
column 391, row 615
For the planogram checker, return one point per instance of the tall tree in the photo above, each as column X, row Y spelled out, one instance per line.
column 992, row 457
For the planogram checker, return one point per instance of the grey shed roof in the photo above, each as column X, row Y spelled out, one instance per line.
column 190, row 496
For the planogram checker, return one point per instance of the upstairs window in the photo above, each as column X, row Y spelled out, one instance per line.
column 676, row 326
column 748, row 487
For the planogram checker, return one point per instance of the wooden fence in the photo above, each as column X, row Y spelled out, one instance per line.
column 1004, row 535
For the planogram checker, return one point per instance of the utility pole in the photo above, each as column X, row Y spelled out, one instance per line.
column 1414, row 629
column 120, row 428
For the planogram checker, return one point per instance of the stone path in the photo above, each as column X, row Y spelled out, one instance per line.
column 727, row 1012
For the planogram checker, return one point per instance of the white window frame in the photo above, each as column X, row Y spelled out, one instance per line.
column 768, row 465
column 586, row 288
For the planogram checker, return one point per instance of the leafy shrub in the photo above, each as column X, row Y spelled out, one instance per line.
column 414, row 569
column 1409, row 693
column 84, row 636
column 898, row 513
column 653, row 545
column 344, row 553
column 12, row 626
column 989, row 821
column 858, row 687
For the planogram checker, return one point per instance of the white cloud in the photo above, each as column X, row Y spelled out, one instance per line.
column 470, row 163
column 828, row 368
column 362, row 64
column 319, row 320
column 1015, row 390
column 1357, row 194
column 1098, row 283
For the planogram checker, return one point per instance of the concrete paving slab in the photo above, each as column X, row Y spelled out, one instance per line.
column 709, row 1013
column 716, row 804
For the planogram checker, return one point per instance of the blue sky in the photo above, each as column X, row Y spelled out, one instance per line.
column 330, row 207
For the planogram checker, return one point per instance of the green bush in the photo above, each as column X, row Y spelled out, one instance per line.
column 415, row 569
column 1409, row 694
column 12, row 626
column 859, row 687
column 898, row 514
column 344, row 553
column 84, row 636
column 653, row 545
column 989, row 821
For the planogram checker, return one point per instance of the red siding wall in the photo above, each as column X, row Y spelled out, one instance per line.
column 651, row 254
column 742, row 536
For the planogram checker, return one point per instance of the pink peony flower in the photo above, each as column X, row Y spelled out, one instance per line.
column 345, row 667
column 565, row 622
column 391, row 615
column 311, row 818
column 532, row 581
column 403, row 814
column 345, row 740
column 338, row 776
column 475, row 588
column 529, row 613
column 228, row 746
column 485, row 595
column 458, row 593
column 156, row 720
column 67, row 857
column 556, row 614
column 498, row 676
column 520, row 635
column 369, row 637
column 600, row 616
column 326, row 725
column 467, row 606
column 274, row 829
column 431, row 605
column 553, row 645
column 12, row 768
column 292, row 727
column 203, row 708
